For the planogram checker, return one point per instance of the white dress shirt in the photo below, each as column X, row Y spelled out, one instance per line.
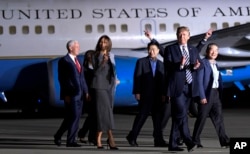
column 215, row 75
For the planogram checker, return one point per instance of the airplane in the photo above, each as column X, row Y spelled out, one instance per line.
column 34, row 34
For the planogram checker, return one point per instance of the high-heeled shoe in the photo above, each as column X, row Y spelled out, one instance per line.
column 110, row 147
column 100, row 147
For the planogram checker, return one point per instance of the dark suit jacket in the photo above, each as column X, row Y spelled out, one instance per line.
column 176, row 77
column 205, row 80
column 72, row 83
column 148, row 86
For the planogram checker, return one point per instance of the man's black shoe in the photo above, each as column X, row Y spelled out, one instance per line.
column 73, row 145
column 132, row 142
column 180, row 141
column 199, row 146
column 225, row 145
column 57, row 141
column 161, row 144
column 92, row 142
column 191, row 148
column 82, row 140
column 175, row 149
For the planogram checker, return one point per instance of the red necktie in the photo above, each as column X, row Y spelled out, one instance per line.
column 78, row 66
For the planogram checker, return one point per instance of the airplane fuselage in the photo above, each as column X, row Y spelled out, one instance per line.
column 34, row 34
column 45, row 26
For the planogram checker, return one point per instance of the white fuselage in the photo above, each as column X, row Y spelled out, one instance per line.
column 41, row 28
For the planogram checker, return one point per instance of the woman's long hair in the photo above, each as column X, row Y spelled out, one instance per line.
column 98, row 47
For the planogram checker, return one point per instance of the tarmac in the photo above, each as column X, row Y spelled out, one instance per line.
column 34, row 135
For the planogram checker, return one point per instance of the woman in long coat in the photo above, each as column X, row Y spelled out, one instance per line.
column 103, row 84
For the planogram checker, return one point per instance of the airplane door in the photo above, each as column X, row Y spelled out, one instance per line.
column 147, row 24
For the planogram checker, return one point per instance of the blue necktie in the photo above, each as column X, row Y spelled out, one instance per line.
column 187, row 66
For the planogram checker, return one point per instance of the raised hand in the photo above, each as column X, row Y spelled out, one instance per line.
column 148, row 34
column 209, row 33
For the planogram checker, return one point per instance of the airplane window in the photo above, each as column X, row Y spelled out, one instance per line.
column 214, row 26
column 88, row 29
column 38, row 29
column 51, row 29
column 236, row 24
column 112, row 28
column 124, row 28
column 176, row 25
column 25, row 30
column 1, row 30
column 100, row 28
column 148, row 27
column 12, row 30
column 225, row 25
column 163, row 27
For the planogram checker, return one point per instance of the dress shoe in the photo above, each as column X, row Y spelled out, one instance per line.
column 92, row 142
column 100, row 147
column 161, row 144
column 57, row 141
column 180, row 141
column 73, row 145
column 82, row 140
column 191, row 147
column 132, row 142
column 175, row 149
column 199, row 146
column 225, row 145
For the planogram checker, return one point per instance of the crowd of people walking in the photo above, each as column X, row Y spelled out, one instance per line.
column 180, row 85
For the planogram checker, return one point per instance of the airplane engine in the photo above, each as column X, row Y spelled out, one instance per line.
column 24, row 83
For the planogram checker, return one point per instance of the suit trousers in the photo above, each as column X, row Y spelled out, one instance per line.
column 179, row 108
column 145, row 108
column 213, row 109
column 71, row 120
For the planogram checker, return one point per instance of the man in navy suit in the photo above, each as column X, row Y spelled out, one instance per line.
column 73, row 89
column 149, row 91
column 181, row 62
column 167, row 106
column 210, row 87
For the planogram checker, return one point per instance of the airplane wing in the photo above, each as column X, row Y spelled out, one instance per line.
column 237, row 37
column 233, row 42
column 228, row 37
column 234, row 53
column 234, row 45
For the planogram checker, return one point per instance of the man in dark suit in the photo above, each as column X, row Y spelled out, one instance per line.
column 210, row 87
column 73, row 89
column 167, row 106
column 181, row 62
column 149, row 91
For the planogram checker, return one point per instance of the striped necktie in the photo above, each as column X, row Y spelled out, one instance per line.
column 187, row 66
